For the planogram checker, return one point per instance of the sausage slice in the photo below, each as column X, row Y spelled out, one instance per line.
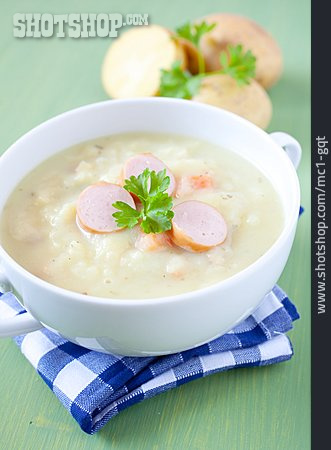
column 197, row 226
column 94, row 206
column 138, row 163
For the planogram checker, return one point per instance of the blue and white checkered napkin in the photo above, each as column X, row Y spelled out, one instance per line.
column 94, row 386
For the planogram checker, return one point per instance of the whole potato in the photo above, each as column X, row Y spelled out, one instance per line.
column 249, row 101
column 232, row 29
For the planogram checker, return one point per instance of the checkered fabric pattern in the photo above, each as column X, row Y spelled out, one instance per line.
column 94, row 386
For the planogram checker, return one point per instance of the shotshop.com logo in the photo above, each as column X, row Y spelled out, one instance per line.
column 86, row 25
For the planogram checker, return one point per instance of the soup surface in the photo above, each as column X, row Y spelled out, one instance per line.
column 39, row 229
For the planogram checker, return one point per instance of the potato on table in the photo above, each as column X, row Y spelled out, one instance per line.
column 233, row 30
column 249, row 101
column 133, row 63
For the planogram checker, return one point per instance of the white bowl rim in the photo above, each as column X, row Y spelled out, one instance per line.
column 190, row 295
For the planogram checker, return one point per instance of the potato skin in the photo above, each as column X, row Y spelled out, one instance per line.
column 249, row 101
column 233, row 29
column 191, row 55
column 132, row 64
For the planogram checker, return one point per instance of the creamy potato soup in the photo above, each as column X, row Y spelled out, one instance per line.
column 39, row 228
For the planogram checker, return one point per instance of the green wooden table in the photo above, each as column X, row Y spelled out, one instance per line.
column 257, row 408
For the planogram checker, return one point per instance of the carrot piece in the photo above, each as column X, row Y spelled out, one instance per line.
column 152, row 242
column 201, row 181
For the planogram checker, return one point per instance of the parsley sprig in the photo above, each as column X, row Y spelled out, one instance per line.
column 237, row 64
column 193, row 33
column 155, row 214
column 180, row 83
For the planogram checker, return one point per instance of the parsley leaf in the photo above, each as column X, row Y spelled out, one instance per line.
column 126, row 216
column 159, row 182
column 155, row 214
column 158, row 214
column 194, row 32
column 138, row 185
column 237, row 64
column 178, row 83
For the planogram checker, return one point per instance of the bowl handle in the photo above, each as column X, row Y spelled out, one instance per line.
column 290, row 145
column 20, row 324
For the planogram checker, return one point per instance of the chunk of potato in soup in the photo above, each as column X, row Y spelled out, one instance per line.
column 39, row 229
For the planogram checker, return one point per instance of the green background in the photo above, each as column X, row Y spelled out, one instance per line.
column 257, row 408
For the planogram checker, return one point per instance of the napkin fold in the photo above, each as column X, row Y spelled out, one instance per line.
column 94, row 386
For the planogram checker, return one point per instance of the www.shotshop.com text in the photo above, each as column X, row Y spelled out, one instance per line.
column 322, row 227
